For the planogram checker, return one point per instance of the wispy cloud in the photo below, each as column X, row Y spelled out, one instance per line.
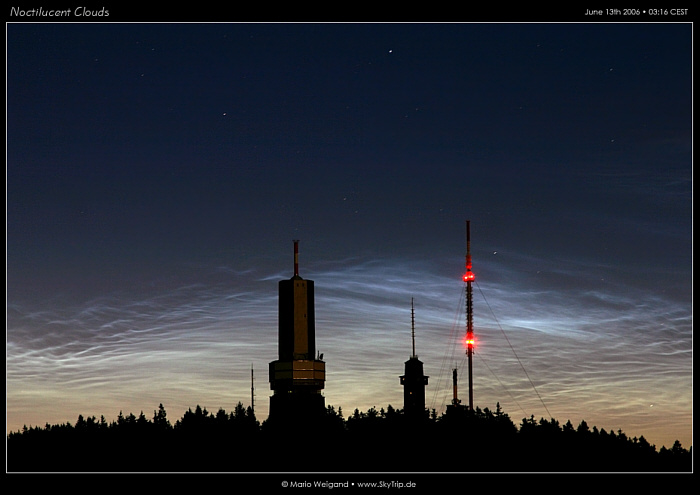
column 599, row 348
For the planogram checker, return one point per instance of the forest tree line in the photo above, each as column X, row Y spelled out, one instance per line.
column 385, row 440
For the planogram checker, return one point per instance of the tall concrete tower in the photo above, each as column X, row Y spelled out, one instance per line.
column 298, row 376
column 413, row 379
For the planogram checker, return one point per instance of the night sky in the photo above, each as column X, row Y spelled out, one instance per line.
column 157, row 175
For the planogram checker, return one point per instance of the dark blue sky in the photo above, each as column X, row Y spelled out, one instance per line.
column 158, row 173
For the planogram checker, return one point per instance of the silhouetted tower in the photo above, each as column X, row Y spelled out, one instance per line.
column 413, row 379
column 298, row 376
column 469, row 341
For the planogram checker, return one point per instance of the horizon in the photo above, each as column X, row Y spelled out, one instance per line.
column 438, row 345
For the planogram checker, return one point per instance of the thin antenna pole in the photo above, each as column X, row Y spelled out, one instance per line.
column 296, row 258
column 252, row 389
column 455, row 400
column 413, row 330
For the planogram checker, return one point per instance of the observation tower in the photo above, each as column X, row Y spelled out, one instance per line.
column 298, row 376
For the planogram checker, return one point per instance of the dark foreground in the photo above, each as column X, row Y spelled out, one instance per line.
column 375, row 441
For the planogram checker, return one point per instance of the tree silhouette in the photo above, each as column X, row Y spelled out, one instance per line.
column 160, row 418
column 237, row 442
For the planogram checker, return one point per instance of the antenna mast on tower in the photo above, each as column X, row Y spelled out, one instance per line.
column 413, row 379
column 468, row 279
column 413, row 330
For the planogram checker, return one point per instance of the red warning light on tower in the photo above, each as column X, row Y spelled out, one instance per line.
column 468, row 277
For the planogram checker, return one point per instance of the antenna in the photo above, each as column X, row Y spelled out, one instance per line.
column 455, row 400
column 296, row 258
column 252, row 389
column 413, row 330
column 469, row 278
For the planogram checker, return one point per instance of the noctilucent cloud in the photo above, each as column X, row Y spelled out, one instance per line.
column 157, row 175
